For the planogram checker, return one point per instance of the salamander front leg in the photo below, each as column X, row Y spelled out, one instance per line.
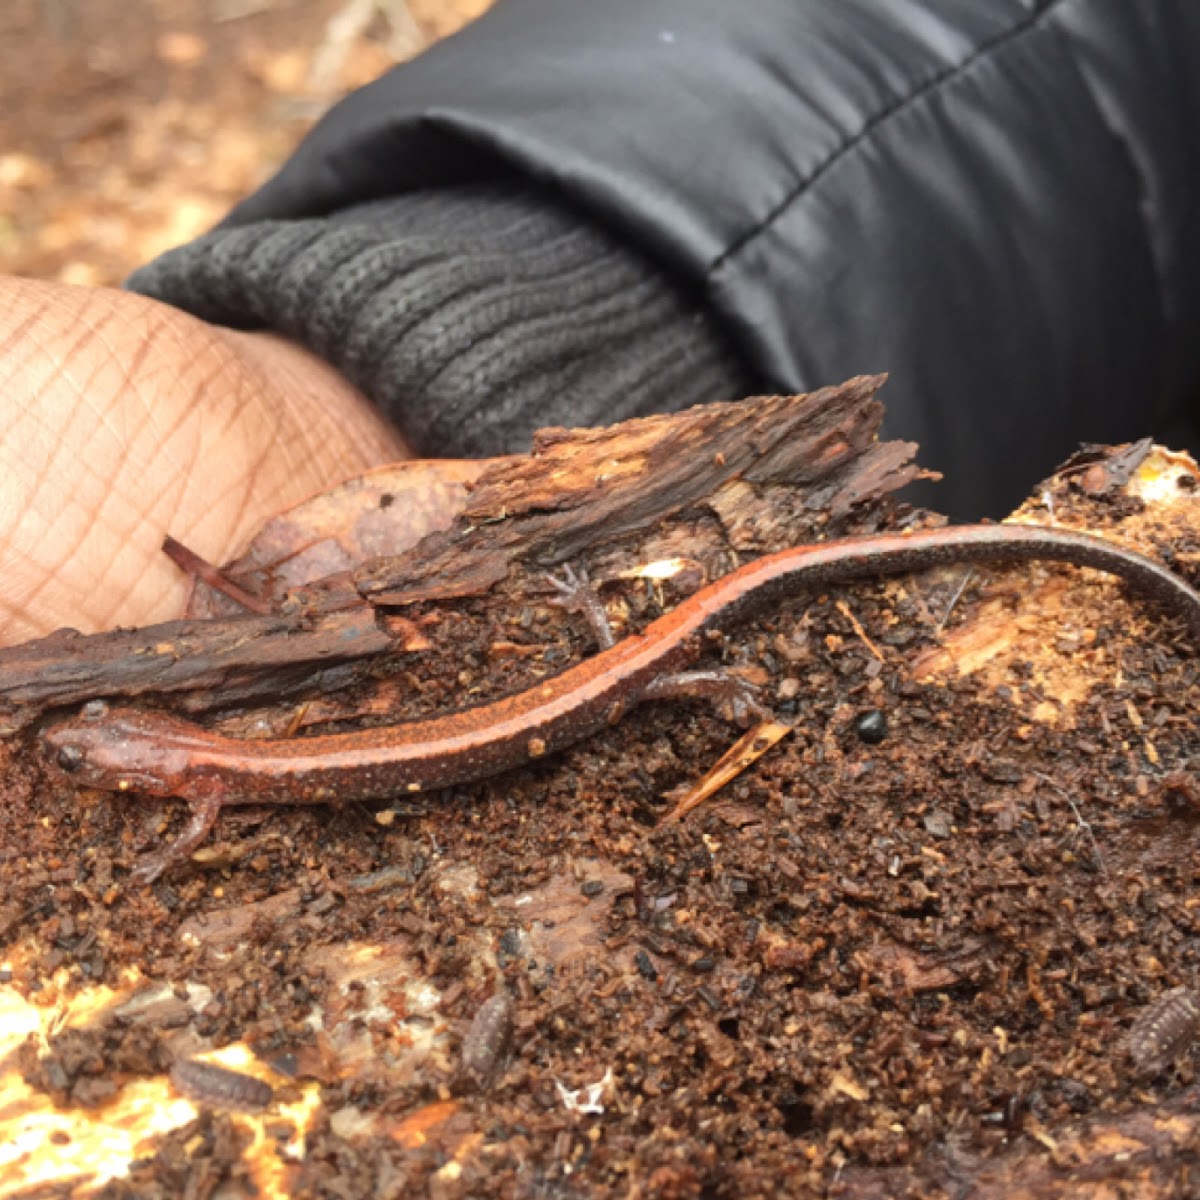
column 205, row 810
column 576, row 594
column 736, row 698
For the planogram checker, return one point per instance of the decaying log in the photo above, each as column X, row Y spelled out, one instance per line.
column 584, row 489
column 917, row 965
column 230, row 658
column 760, row 472
column 1147, row 1153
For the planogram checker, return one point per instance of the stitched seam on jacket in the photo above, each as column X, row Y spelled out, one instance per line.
column 872, row 125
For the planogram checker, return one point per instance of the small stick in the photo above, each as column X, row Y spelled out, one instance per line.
column 192, row 564
column 968, row 575
column 1078, row 819
column 848, row 613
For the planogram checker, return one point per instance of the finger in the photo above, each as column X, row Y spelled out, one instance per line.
column 121, row 420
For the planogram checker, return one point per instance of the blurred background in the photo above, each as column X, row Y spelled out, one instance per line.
column 129, row 126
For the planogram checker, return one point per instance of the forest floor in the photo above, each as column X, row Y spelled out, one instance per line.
column 130, row 127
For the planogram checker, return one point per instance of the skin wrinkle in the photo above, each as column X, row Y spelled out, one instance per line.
column 83, row 407
column 79, row 466
column 146, row 525
column 297, row 448
column 139, row 360
column 201, row 381
column 124, row 419
column 122, row 585
column 91, row 385
column 173, row 448
column 140, row 530
column 291, row 437
column 186, row 465
column 117, row 423
column 31, row 358
column 221, row 389
column 309, row 440
column 30, row 354
column 67, row 538
column 241, row 489
column 208, row 378
column 12, row 349
column 70, row 355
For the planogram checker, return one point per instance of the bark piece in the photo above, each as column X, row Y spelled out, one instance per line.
column 756, row 474
column 587, row 488
column 228, row 660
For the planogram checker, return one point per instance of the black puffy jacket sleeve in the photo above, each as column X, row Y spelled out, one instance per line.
column 994, row 202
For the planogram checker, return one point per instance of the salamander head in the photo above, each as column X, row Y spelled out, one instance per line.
column 118, row 749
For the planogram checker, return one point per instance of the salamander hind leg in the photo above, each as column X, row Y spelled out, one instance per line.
column 736, row 698
column 205, row 810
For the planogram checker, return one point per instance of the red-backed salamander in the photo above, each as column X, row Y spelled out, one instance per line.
column 129, row 749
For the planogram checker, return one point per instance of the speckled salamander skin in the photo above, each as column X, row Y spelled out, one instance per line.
column 126, row 749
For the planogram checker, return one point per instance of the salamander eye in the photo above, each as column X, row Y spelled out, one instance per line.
column 93, row 710
column 70, row 757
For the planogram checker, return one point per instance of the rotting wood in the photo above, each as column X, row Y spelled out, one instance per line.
column 585, row 488
column 746, row 475
column 809, row 958
column 1147, row 1153
column 234, row 658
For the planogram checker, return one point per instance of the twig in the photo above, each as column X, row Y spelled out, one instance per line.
column 199, row 568
column 848, row 613
column 968, row 575
column 1082, row 824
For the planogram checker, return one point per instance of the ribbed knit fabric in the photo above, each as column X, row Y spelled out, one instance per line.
column 471, row 315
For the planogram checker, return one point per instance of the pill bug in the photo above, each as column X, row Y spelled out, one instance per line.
column 487, row 1038
column 1164, row 1029
column 219, row 1087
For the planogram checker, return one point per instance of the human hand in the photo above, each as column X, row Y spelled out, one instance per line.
column 121, row 420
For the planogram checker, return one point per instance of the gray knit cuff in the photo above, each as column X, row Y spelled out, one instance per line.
column 472, row 316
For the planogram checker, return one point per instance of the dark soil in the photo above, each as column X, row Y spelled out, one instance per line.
column 871, row 961
column 870, row 965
